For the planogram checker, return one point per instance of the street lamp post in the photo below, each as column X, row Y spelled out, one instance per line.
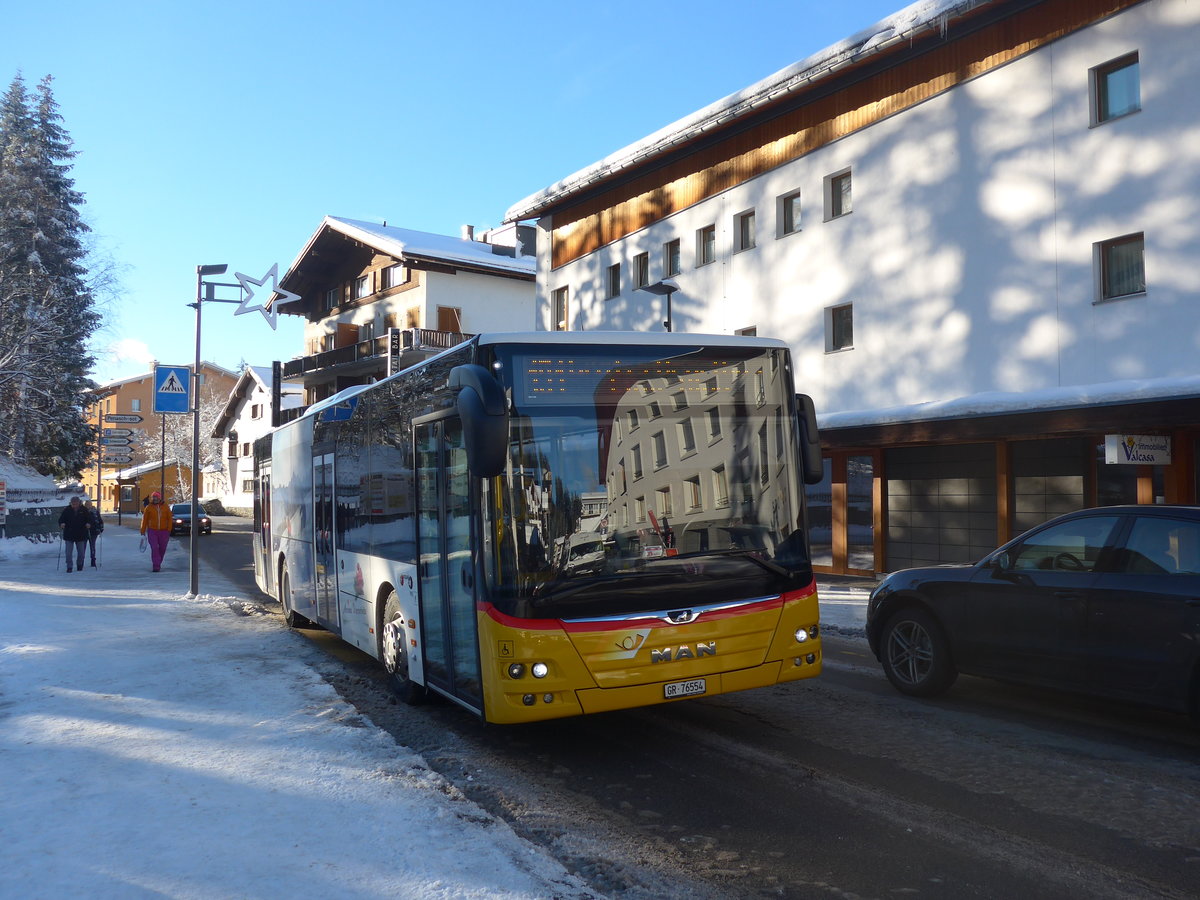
column 664, row 288
column 193, row 545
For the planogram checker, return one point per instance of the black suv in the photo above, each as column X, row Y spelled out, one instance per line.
column 1103, row 601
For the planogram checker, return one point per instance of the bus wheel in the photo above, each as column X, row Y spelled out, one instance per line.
column 393, row 652
column 292, row 618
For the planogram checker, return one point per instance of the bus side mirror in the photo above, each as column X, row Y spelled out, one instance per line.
column 810, row 440
column 483, row 409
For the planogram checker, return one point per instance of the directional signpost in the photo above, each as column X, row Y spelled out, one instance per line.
column 128, row 418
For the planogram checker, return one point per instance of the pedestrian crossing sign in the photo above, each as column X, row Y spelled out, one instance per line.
column 172, row 389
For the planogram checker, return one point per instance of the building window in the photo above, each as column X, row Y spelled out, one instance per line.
column 394, row 276
column 764, row 456
column 636, row 459
column 256, row 410
column 1116, row 89
column 366, row 331
column 612, row 281
column 691, row 487
column 247, row 485
column 362, row 287
column 744, row 229
column 558, row 309
column 135, row 404
column 838, row 197
column 714, row 424
column 641, row 270
column 720, row 488
column 660, row 450
column 663, row 499
column 706, row 245
column 633, row 419
column 1122, row 266
column 680, row 400
column 789, row 213
column 687, row 436
column 839, row 328
column 671, row 258
column 333, row 298
column 655, row 409
column 639, row 509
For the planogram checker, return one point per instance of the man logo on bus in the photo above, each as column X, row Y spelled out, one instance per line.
column 674, row 654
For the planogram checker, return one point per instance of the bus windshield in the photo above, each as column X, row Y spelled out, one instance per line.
column 643, row 479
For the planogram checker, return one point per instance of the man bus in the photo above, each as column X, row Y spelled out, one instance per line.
column 430, row 519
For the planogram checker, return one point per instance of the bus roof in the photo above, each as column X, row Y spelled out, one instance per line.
column 576, row 338
column 637, row 338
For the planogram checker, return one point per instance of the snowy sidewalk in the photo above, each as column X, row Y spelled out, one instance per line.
column 843, row 603
column 157, row 745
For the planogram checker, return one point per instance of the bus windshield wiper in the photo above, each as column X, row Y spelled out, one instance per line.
column 749, row 554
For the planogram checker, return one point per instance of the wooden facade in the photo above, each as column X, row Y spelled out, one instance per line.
column 838, row 104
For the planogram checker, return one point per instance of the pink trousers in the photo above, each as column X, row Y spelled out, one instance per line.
column 158, row 541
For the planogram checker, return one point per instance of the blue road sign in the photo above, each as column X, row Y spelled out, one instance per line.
column 172, row 389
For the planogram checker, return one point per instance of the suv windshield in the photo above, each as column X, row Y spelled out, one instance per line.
column 640, row 481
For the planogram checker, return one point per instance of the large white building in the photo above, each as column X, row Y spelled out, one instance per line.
column 973, row 223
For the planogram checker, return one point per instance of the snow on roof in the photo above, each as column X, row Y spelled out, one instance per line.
column 901, row 26
column 406, row 243
column 998, row 403
column 139, row 470
column 18, row 477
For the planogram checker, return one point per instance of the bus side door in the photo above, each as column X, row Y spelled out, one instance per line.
column 324, row 570
column 446, row 564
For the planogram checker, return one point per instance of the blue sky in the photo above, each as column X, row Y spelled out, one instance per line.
column 223, row 132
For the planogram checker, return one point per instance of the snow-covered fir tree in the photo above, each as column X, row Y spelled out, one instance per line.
column 47, row 309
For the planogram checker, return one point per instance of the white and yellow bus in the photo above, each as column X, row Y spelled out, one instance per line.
column 434, row 519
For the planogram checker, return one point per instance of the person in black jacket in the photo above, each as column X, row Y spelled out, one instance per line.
column 75, row 525
column 97, row 528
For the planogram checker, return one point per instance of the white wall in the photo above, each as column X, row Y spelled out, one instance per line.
column 969, row 254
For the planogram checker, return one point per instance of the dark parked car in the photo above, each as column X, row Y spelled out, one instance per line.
column 181, row 519
column 1102, row 601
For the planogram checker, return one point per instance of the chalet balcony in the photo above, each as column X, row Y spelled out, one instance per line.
column 366, row 358
column 346, row 359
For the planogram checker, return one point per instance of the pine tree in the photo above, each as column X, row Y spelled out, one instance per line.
column 47, row 310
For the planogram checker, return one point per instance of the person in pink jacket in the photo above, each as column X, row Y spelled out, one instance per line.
column 156, row 526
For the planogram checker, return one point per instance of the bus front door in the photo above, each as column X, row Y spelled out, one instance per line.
column 324, row 572
column 447, row 572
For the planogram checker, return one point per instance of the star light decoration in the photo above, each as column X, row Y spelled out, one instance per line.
column 282, row 296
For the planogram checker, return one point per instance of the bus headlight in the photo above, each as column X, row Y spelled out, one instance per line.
column 516, row 670
column 801, row 635
column 539, row 670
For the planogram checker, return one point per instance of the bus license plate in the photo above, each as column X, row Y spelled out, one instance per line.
column 684, row 688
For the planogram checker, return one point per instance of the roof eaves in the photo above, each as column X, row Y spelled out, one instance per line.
column 901, row 26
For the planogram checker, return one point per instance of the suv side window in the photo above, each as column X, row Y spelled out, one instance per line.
column 1068, row 547
column 1158, row 546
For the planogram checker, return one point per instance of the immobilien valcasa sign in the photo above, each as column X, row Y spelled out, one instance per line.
column 1137, row 449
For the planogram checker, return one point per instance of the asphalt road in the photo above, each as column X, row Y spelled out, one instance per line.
column 838, row 787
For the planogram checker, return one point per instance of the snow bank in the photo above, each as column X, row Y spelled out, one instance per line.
column 158, row 744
